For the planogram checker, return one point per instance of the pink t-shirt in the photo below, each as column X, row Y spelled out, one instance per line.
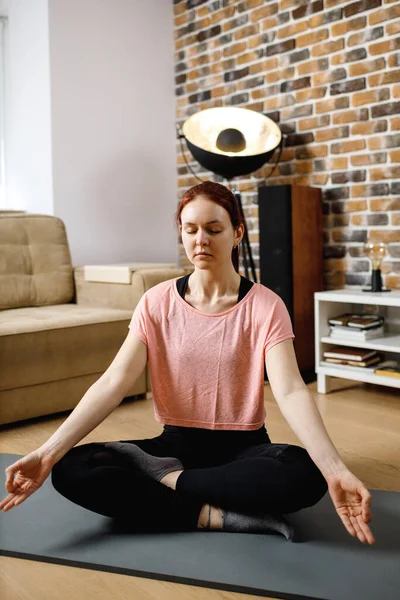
column 207, row 370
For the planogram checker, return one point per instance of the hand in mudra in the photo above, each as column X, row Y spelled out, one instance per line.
column 352, row 501
column 25, row 477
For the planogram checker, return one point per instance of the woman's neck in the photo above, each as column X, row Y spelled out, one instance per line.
column 205, row 287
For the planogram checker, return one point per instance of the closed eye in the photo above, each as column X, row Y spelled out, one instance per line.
column 189, row 232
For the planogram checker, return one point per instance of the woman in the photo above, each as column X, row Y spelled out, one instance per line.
column 207, row 337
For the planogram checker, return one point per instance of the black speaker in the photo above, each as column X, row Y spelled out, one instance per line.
column 291, row 259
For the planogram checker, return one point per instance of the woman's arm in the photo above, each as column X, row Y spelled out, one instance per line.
column 100, row 399
column 350, row 497
column 299, row 408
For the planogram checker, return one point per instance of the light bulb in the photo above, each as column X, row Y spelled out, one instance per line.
column 376, row 252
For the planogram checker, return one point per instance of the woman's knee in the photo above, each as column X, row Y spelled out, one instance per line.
column 315, row 486
column 71, row 464
column 310, row 485
column 58, row 472
column 315, row 478
column 57, row 475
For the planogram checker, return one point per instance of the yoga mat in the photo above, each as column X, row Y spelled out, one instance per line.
column 327, row 564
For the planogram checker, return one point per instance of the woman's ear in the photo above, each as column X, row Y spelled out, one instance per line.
column 241, row 232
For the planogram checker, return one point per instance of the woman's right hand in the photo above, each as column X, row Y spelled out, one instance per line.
column 25, row 477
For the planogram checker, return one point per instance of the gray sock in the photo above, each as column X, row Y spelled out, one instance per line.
column 261, row 523
column 154, row 466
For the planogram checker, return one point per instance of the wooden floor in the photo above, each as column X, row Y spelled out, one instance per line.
column 363, row 421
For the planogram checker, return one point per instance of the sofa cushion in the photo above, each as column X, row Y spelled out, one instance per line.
column 51, row 343
column 35, row 262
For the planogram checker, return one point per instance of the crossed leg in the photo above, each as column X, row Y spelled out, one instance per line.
column 266, row 477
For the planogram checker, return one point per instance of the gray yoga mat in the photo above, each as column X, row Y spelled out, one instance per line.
column 326, row 564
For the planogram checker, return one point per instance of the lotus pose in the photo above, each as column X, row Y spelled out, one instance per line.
column 206, row 336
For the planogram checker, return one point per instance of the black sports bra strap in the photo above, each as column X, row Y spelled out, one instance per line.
column 245, row 286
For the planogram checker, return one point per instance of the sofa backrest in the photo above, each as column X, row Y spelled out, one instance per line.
column 35, row 261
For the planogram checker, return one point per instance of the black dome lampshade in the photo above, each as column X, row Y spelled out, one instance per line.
column 231, row 141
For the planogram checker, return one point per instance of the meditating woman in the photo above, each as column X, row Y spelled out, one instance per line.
column 206, row 337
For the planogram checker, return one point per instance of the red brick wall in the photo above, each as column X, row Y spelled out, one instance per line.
column 328, row 72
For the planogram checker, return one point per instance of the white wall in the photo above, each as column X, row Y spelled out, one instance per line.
column 113, row 128
column 91, row 123
column 27, row 108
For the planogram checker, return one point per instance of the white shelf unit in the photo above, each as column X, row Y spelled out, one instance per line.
column 335, row 302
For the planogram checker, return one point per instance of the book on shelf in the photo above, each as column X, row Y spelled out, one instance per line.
column 349, row 353
column 354, row 363
column 346, row 333
column 388, row 371
column 357, row 321
column 356, row 367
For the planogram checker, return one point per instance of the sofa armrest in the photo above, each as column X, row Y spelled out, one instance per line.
column 120, row 295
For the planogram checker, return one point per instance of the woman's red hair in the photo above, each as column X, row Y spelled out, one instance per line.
column 220, row 194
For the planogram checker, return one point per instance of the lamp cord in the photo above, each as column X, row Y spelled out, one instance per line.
column 281, row 144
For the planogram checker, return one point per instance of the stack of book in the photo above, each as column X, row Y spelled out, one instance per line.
column 356, row 327
column 355, row 357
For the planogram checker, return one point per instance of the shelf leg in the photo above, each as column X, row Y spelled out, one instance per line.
column 323, row 383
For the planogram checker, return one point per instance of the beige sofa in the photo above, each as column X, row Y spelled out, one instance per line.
column 58, row 331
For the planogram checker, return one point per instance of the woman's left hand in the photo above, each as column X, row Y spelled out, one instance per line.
column 352, row 501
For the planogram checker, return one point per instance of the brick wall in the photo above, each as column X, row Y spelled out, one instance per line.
column 328, row 71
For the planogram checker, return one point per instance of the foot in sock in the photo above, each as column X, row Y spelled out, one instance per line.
column 154, row 466
column 260, row 523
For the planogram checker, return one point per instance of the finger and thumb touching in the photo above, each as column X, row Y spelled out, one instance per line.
column 366, row 503
column 11, row 472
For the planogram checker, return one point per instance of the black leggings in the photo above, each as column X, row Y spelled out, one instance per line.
column 235, row 470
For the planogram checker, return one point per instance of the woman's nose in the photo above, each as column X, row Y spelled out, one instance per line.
column 201, row 238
